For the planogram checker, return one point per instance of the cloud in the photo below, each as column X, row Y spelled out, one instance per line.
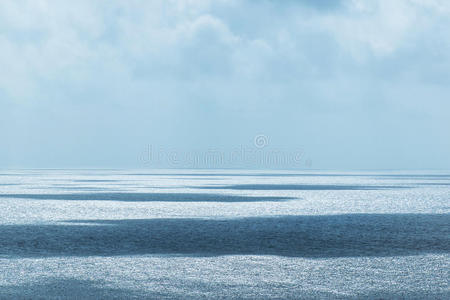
column 219, row 71
column 193, row 39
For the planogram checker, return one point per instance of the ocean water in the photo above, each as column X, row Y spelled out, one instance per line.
column 90, row 234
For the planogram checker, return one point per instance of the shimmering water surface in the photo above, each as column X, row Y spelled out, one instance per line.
column 224, row 234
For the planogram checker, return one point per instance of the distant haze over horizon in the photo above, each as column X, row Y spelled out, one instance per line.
column 345, row 84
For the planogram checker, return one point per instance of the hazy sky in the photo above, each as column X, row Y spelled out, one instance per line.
column 351, row 84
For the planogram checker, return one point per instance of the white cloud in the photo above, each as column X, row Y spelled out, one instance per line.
column 176, row 62
column 45, row 40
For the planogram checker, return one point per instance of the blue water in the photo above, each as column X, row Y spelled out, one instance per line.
column 89, row 234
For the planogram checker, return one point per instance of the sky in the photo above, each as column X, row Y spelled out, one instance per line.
column 344, row 84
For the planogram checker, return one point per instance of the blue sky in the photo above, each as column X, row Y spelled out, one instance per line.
column 354, row 84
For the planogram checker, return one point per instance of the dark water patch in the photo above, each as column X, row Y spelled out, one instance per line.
column 147, row 197
column 326, row 236
column 57, row 288
column 301, row 187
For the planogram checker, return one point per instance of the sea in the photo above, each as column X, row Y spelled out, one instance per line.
column 224, row 234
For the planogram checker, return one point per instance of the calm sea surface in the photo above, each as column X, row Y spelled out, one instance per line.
column 224, row 234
